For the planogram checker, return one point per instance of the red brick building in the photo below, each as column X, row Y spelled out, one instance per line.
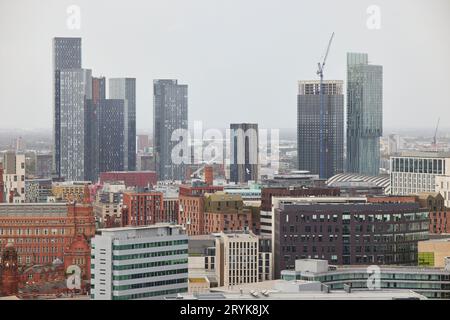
column 140, row 179
column 142, row 208
column 9, row 280
column 191, row 206
column 439, row 215
column 225, row 212
column 41, row 232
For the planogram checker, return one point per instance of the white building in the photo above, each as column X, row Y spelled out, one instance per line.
column 14, row 176
column 415, row 172
column 147, row 262
column 237, row 258
column 443, row 187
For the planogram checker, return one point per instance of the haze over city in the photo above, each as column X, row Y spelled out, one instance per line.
column 241, row 59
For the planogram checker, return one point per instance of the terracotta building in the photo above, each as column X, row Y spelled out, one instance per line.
column 40, row 232
column 439, row 214
column 9, row 280
column 140, row 179
column 142, row 208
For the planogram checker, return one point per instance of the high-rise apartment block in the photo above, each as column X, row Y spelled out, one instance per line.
column 139, row 262
column 364, row 114
column 125, row 89
column 309, row 126
column 244, row 153
column 170, row 113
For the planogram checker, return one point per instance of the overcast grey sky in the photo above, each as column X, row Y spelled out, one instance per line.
column 240, row 58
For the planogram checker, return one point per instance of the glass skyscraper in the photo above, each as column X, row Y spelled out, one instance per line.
column 66, row 56
column 308, row 127
column 170, row 112
column 125, row 88
column 364, row 114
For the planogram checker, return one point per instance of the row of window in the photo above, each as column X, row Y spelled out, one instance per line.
column 150, row 254
column 150, row 264
column 150, row 274
column 150, row 284
column 149, row 245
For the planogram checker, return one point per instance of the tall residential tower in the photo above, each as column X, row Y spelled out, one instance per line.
column 308, row 127
column 364, row 114
column 125, row 89
column 170, row 113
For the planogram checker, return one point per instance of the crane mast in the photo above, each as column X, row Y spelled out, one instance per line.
column 321, row 67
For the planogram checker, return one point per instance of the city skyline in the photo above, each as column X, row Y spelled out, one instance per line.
column 217, row 60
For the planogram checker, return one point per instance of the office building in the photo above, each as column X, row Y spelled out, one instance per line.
column 415, row 172
column 294, row 290
column 237, row 258
column 429, row 282
column 244, row 152
column 309, row 126
column 170, row 113
column 267, row 194
column 364, row 114
column 125, row 89
column 347, row 231
column 14, row 177
column 139, row 262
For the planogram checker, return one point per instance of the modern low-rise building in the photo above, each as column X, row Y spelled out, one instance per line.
column 347, row 231
column 415, row 172
column 430, row 282
column 434, row 252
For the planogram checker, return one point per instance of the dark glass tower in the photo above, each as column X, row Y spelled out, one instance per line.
column 66, row 55
column 125, row 89
column 244, row 152
column 364, row 114
column 308, row 127
column 104, row 133
column 170, row 112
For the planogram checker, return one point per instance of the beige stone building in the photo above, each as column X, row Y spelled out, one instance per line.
column 432, row 253
column 237, row 258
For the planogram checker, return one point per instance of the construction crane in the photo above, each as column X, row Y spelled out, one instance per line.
column 435, row 135
column 321, row 67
